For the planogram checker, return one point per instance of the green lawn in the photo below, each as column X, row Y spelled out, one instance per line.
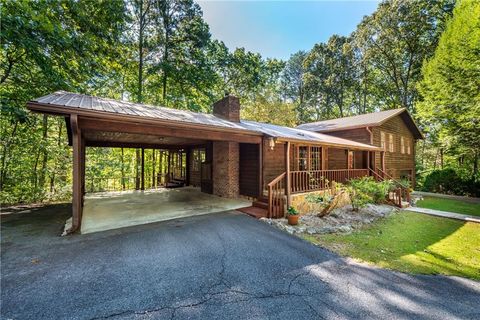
column 413, row 243
column 450, row 205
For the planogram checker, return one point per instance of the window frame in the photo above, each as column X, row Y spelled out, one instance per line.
column 391, row 143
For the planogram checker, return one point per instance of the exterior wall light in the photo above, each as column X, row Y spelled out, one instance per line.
column 271, row 143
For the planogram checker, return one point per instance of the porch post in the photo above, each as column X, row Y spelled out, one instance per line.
column 187, row 165
column 287, row 167
column 324, row 158
column 143, row 169
column 78, row 159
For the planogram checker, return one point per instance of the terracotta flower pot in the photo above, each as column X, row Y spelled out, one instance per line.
column 292, row 220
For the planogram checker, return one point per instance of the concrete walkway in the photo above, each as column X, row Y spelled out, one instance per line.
column 445, row 214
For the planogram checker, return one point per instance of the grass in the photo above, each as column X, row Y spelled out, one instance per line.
column 450, row 205
column 414, row 243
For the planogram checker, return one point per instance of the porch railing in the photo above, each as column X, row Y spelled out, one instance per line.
column 401, row 191
column 276, row 197
column 304, row 181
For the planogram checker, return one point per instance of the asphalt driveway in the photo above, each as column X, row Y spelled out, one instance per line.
column 218, row 266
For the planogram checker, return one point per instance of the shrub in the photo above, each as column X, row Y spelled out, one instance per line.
column 448, row 181
column 366, row 190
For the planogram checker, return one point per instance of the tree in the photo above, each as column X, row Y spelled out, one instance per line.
column 293, row 86
column 329, row 78
column 450, row 88
column 396, row 39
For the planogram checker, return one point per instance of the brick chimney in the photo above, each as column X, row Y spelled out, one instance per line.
column 228, row 108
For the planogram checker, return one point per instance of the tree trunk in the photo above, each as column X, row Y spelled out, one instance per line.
column 137, row 171
column 154, row 185
column 43, row 170
column 6, row 149
column 59, row 143
column 140, row 54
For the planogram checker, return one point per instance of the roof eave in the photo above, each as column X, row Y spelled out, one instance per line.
column 66, row 111
column 329, row 144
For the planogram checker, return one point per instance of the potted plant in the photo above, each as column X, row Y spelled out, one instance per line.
column 292, row 216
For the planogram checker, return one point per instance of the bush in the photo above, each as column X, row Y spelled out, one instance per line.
column 449, row 182
column 366, row 190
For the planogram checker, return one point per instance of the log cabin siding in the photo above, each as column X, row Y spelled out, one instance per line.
column 337, row 159
column 359, row 135
column 396, row 163
column 273, row 162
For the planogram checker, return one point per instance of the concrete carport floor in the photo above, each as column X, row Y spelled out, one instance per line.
column 111, row 210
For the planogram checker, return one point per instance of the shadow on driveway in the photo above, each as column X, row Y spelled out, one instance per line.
column 218, row 266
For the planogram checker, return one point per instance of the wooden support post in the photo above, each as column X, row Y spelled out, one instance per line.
column 188, row 160
column 143, row 170
column 77, row 195
column 260, row 169
column 324, row 158
column 287, row 167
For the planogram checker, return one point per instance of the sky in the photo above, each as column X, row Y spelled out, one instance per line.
column 279, row 28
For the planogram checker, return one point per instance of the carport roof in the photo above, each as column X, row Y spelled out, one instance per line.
column 65, row 103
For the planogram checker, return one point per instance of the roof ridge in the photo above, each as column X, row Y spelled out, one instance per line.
column 354, row 116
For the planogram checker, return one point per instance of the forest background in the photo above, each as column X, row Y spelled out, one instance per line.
column 423, row 55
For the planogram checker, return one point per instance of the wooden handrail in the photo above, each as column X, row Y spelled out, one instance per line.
column 398, row 194
column 275, row 181
column 276, row 197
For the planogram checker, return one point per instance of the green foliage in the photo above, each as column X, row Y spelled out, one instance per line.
column 291, row 211
column 449, row 182
column 366, row 190
column 450, row 86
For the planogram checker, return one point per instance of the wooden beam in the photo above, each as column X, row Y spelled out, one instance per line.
column 143, row 170
column 167, row 131
column 187, row 168
column 287, row 167
column 260, row 169
column 77, row 195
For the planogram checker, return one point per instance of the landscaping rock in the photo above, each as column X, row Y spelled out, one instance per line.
column 341, row 220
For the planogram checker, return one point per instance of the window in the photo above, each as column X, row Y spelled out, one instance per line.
column 402, row 145
column 302, row 158
column 383, row 144
column 306, row 158
column 315, row 158
column 390, row 143
column 408, row 146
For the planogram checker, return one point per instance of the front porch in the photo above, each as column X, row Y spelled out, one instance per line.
column 315, row 167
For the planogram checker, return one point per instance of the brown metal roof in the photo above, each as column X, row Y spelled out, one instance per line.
column 295, row 134
column 363, row 120
column 65, row 103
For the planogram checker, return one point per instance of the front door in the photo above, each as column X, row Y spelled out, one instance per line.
column 249, row 174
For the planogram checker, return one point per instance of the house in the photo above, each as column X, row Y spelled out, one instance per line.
column 394, row 131
column 229, row 157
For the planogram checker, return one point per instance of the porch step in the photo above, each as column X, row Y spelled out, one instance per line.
column 255, row 212
column 261, row 203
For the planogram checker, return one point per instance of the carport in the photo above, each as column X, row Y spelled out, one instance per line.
column 100, row 122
